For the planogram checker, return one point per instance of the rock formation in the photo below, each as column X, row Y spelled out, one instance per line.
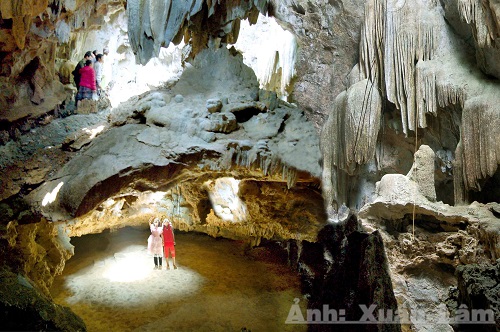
column 380, row 170
column 170, row 141
column 24, row 308
column 476, row 291
column 421, row 236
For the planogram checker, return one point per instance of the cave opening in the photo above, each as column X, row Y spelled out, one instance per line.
column 490, row 190
column 220, row 283
column 233, row 271
column 246, row 114
column 171, row 145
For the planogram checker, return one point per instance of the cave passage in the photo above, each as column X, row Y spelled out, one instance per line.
column 221, row 285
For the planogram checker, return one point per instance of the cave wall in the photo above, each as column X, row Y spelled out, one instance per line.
column 378, row 78
column 33, row 32
column 428, row 78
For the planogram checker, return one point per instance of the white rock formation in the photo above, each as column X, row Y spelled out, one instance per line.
column 167, row 138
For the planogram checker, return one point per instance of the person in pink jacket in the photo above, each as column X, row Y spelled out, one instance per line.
column 155, row 242
column 87, row 82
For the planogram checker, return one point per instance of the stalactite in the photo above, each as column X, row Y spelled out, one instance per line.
column 479, row 135
column 459, row 192
column 330, row 144
column 348, row 138
column 290, row 175
column 471, row 11
column 63, row 32
column 263, row 160
column 81, row 15
column 363, row 112
column 426, row 94
column 279, row 58
column 21, row 12
column 153, row 24
column 448, row 94
column 434, row 91
column 395, row 36
column 268, row 230
column 410, row 35
column 372, row 34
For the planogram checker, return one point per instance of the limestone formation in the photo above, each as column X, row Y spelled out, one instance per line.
column 478, row 288
column 420, row 234
column 44, row 248
column 436, row 86
column 214, row 105
column 478, row 23
column 359, row 260
column 23, row 307
column 422, row 172
column 172, row 143
column 327, row 35
column 403, row 93
column 156, row 24
column 348, row 138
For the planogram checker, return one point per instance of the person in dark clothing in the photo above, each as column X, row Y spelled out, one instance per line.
column 76, row 72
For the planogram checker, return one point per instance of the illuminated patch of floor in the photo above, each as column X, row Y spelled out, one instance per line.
column 111, row 284
column 116, row 280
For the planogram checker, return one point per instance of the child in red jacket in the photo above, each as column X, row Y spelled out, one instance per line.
column 168, row 241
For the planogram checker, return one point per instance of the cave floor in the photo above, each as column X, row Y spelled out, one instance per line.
column 111, row 284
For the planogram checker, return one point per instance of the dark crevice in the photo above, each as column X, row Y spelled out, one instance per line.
column 490, row 190
column 140, row 118
column 14, row 130
column 495, row 212
column 5, row 23
column 298, row 9
column 246, row 114
column 203, row 207
column 283, row 125
column 426, row 222
column 30, row 69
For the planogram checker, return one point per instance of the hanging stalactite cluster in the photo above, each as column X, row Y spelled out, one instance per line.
column 411, row 65
column 395, row 37
column 153, row 24
column 349, row 137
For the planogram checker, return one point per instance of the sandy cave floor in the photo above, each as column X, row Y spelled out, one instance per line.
column 111, row 284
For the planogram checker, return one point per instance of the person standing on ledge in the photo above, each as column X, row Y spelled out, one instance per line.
column 87, row 82
column 168, row 241
column 80, row 65
column 98, row 67
column 155, row 242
